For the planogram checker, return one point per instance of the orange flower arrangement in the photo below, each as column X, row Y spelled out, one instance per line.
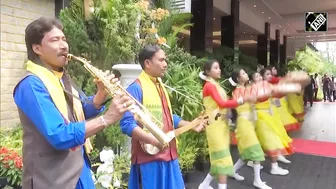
column 161, row 40
column 152, row 30
column 143, row 5
column 159, row 14
column 11, row 166
column 148, row 19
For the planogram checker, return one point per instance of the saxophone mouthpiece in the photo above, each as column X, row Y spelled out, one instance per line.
column 69, row 56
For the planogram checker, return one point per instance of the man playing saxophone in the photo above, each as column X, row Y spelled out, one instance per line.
column 162, row 169
column 53, row 115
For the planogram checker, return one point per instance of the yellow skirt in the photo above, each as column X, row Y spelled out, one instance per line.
column 272, row 135
column 289, row 121
column 248, row 143
column 296, row 106
column 218, row 137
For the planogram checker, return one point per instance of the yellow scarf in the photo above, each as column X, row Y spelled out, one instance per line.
column 151, row 97
column 53, row 84
column 219, row 88
column 209, row 103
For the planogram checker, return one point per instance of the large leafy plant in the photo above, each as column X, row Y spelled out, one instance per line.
column 225, row 57
column 183, row 77
column 174, row 23
column 118, row 20
column 187, row 150
column 311, row 61
column 84, row 38
column 110, row 36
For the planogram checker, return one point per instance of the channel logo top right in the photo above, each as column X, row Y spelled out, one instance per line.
column 316, row 21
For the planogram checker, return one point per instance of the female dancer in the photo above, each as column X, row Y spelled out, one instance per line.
column 269, row 128
column 289, row 121
column 248, row 143
column 295, row 103
column 218, row 132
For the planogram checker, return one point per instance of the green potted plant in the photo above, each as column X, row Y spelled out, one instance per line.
column 203, row 159
column 187, row 150
column 11, row 165
column 122, row 166
column 187, row 159
column 128, row 26
column 119, row 18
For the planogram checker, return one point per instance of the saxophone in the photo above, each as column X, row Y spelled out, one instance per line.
column 141, row 114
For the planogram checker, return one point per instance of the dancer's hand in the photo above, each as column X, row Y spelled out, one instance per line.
column 250, row 98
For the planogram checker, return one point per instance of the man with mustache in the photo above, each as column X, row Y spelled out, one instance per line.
column 54, row 114
column 161, row 170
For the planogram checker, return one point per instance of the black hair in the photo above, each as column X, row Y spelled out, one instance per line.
column 234, row 116
column 35, row 32
column 263, row 71
column 207, row 67
column 235, row 75
column 270, row 67
column 147, row 53
column 252, row 75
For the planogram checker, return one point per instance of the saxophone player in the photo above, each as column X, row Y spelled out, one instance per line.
column 54, row 119
column 160, row 170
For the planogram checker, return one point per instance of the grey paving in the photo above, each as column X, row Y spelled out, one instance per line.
column 319, row 124
column 306, row 172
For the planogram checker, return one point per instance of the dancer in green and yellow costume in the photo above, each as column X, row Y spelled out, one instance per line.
column 270, row 130
column 280, row 129
column 218, row 132
column 295, row 103
column 281, row 103
column 248, row 143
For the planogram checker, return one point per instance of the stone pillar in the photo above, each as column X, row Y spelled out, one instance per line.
column 263, row 46
column 201, row 32
column 230, row 30
column 283, row 53
column 59, row 5
column 275, row 50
